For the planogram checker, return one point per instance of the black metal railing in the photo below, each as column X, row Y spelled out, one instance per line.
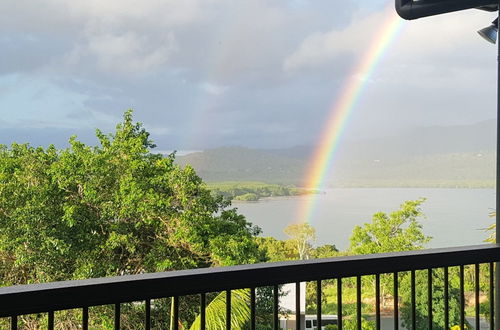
column 82, row 294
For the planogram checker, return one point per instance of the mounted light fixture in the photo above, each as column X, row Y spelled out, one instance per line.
column 413, row 9
column 490, row 33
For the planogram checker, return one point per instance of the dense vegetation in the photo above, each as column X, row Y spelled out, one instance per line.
column 253, row 191
column 117, row 208
column 400, row 230
column 112, row 209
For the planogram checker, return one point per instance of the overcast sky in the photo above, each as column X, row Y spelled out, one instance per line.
column 257, row 73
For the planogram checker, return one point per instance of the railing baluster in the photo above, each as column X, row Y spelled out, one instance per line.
column 85, row 318
column 382, row 268
column 13, row 322
column 377, row 301
column 476, row 278
column 413, row 301
column 446, row 300
column 203, row 305
column 117, row 316
column 50, row 320
column 297, row 305
column 429, row 298
column 339, row 302
column 252, row 309
column 276, row 301
column 492, row 295
column 318, row 303
column 462, row 298
column 147, row 308
column 358, row 301
column 228, row 309
column 175, row 309
column 396, row 301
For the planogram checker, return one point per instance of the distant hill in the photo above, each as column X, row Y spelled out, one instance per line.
column 455, row 156
column 244, row 164
column 479, row 137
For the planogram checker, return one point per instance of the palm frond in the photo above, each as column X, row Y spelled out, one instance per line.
column 215, row 312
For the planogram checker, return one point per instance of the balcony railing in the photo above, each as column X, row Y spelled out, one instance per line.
column 82, row 294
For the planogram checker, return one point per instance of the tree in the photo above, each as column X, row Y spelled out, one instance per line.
column 301, row 235
column 111, row 209
column 421, row 299
column 277, row 250
column 325, row 251
column 402, row 231
column 398, row 231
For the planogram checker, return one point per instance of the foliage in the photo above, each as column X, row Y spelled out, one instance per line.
column 351, row 324
column 492, row 238
column 111, row 209
column 216, row 311
column 398, row 231
column 282, row 250
column 421, row 298
column 325, row 251
column 253, row 191
column 248, row 197
column 277, row 250
column 301, row 236
column 401, row 231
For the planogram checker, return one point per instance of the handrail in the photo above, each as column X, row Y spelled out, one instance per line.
column 37, row 298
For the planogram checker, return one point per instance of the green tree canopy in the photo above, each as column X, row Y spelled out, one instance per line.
column 398, row 231
column 116, row 208
column 301, row 236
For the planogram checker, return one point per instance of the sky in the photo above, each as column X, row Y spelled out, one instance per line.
column 257, row 73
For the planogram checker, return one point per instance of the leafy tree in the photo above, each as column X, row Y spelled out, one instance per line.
column 402, row 231
column 301, row 235
column 398, row 231
column 421, row 298
column 325, row 251
column 111, row 209
column 277, row 250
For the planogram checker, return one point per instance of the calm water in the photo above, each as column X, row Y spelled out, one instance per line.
column 454, row 217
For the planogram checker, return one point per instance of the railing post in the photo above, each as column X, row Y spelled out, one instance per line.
column 497, row 206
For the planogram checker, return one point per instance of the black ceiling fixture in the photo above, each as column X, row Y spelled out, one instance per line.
column 413, row 9
column 490, row 32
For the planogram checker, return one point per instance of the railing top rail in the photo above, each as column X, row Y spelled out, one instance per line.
column 34, row 298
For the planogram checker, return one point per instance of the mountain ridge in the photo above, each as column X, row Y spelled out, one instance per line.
column 437, row 156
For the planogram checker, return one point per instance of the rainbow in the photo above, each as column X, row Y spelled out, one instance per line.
column 322, row 159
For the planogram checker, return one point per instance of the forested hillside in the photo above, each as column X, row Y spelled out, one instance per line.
column 457, row 156
column 244, row 164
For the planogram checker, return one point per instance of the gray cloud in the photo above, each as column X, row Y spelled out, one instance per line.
column 258, row 73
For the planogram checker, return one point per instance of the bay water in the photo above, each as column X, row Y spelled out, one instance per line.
column 453, row 217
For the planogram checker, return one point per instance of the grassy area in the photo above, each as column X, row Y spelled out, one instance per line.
column 253, row 191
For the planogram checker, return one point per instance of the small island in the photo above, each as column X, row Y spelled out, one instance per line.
column 253, row 191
